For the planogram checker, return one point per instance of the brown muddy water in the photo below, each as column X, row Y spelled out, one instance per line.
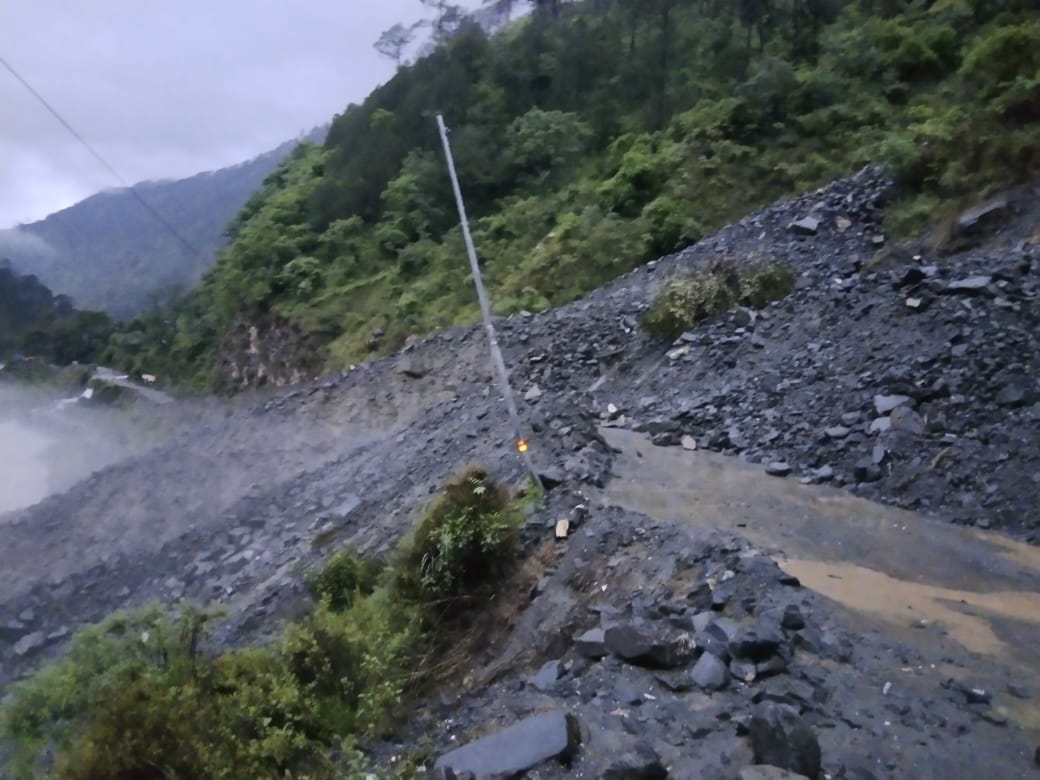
column 928, row 582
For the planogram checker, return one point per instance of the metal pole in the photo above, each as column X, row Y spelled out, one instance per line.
column 485, row 308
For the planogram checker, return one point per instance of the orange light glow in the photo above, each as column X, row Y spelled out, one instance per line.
column 521, row 445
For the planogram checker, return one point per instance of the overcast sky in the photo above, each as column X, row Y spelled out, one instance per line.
column 169, row 88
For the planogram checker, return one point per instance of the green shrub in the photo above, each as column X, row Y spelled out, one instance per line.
column 136, row 696
column 464, row 542
column 343, row 578
column 686, row 301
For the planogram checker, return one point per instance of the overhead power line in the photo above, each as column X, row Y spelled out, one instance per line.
column 97, row 156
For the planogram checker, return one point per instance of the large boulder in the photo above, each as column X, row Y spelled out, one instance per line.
column 516, row 749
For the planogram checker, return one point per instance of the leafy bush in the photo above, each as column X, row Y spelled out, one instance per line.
column 343, row 578
column 137, row 696
column 686, row 301
column 465, row 541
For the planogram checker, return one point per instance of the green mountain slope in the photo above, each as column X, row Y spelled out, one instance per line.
column 588, row 142
column 36, row 322
column 107, row 252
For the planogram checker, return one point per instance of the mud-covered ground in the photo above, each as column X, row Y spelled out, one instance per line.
column 898, row 373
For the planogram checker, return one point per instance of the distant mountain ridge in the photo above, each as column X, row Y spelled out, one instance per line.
column 107, row 252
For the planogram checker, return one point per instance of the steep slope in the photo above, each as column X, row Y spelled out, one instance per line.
column 589, row 141
column 233, row 509
column 108, row 252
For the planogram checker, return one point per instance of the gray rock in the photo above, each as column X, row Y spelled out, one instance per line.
column 518, row 748
column 639, row 763
column 778, row 468
column 546, row 677
column 641, row 646
column 30, row 643
column 412, row 367
column 346, row 507
column 836, row 432
column 880, row 425
column 792, row 619
column 1014, row 394
column 713, row 639
column 806, row 226
column 884, row 404
column 592, row 644
column 906, row 419
column 972, row 285
column 744, row 671
column 628, row 693
column 823, row 474
column 758, row 642
column 781, row 738
column 534, row 392
column 710, row 672
column 979, row 215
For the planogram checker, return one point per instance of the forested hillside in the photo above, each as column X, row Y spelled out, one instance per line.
column 108, row 252
column 38, row 323
column 591, row 136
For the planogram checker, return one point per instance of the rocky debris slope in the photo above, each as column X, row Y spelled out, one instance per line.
column 907, row 375
column 913, row 384
column 652, row 651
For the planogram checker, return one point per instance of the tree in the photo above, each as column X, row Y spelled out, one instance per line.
column 394, row 41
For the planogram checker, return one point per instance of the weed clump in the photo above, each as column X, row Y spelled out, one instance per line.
column 686, row 301
column 463, row 543
column 343, row 578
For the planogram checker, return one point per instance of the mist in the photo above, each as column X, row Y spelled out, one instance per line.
column 47, row 445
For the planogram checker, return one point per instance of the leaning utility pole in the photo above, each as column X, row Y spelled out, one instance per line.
column 485, row 309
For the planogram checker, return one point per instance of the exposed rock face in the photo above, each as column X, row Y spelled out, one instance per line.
column 265, row 353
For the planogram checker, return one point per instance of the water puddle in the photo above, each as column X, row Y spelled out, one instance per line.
column 927, row 579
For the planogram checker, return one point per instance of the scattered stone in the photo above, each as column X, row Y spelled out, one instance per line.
column 551, row 477
column 881, row 425
column 562, row 527
column 758, row 642
column 533, row 393
column 518, row 748
column 638, row 645
column 412, row 367
column 1014, row 394
column 778, row 468
column 30, row 643
column 592, row 644
column 639, row 763
column 973, row 285
column 884, row 404
column 906, row 419
column 710, row 672
column 806, row 226
column 986, row 212
column 689, row 443
column 780, row 737
column 546, row 677
column 745, row 671
column 792, row 619
column 836, row 432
